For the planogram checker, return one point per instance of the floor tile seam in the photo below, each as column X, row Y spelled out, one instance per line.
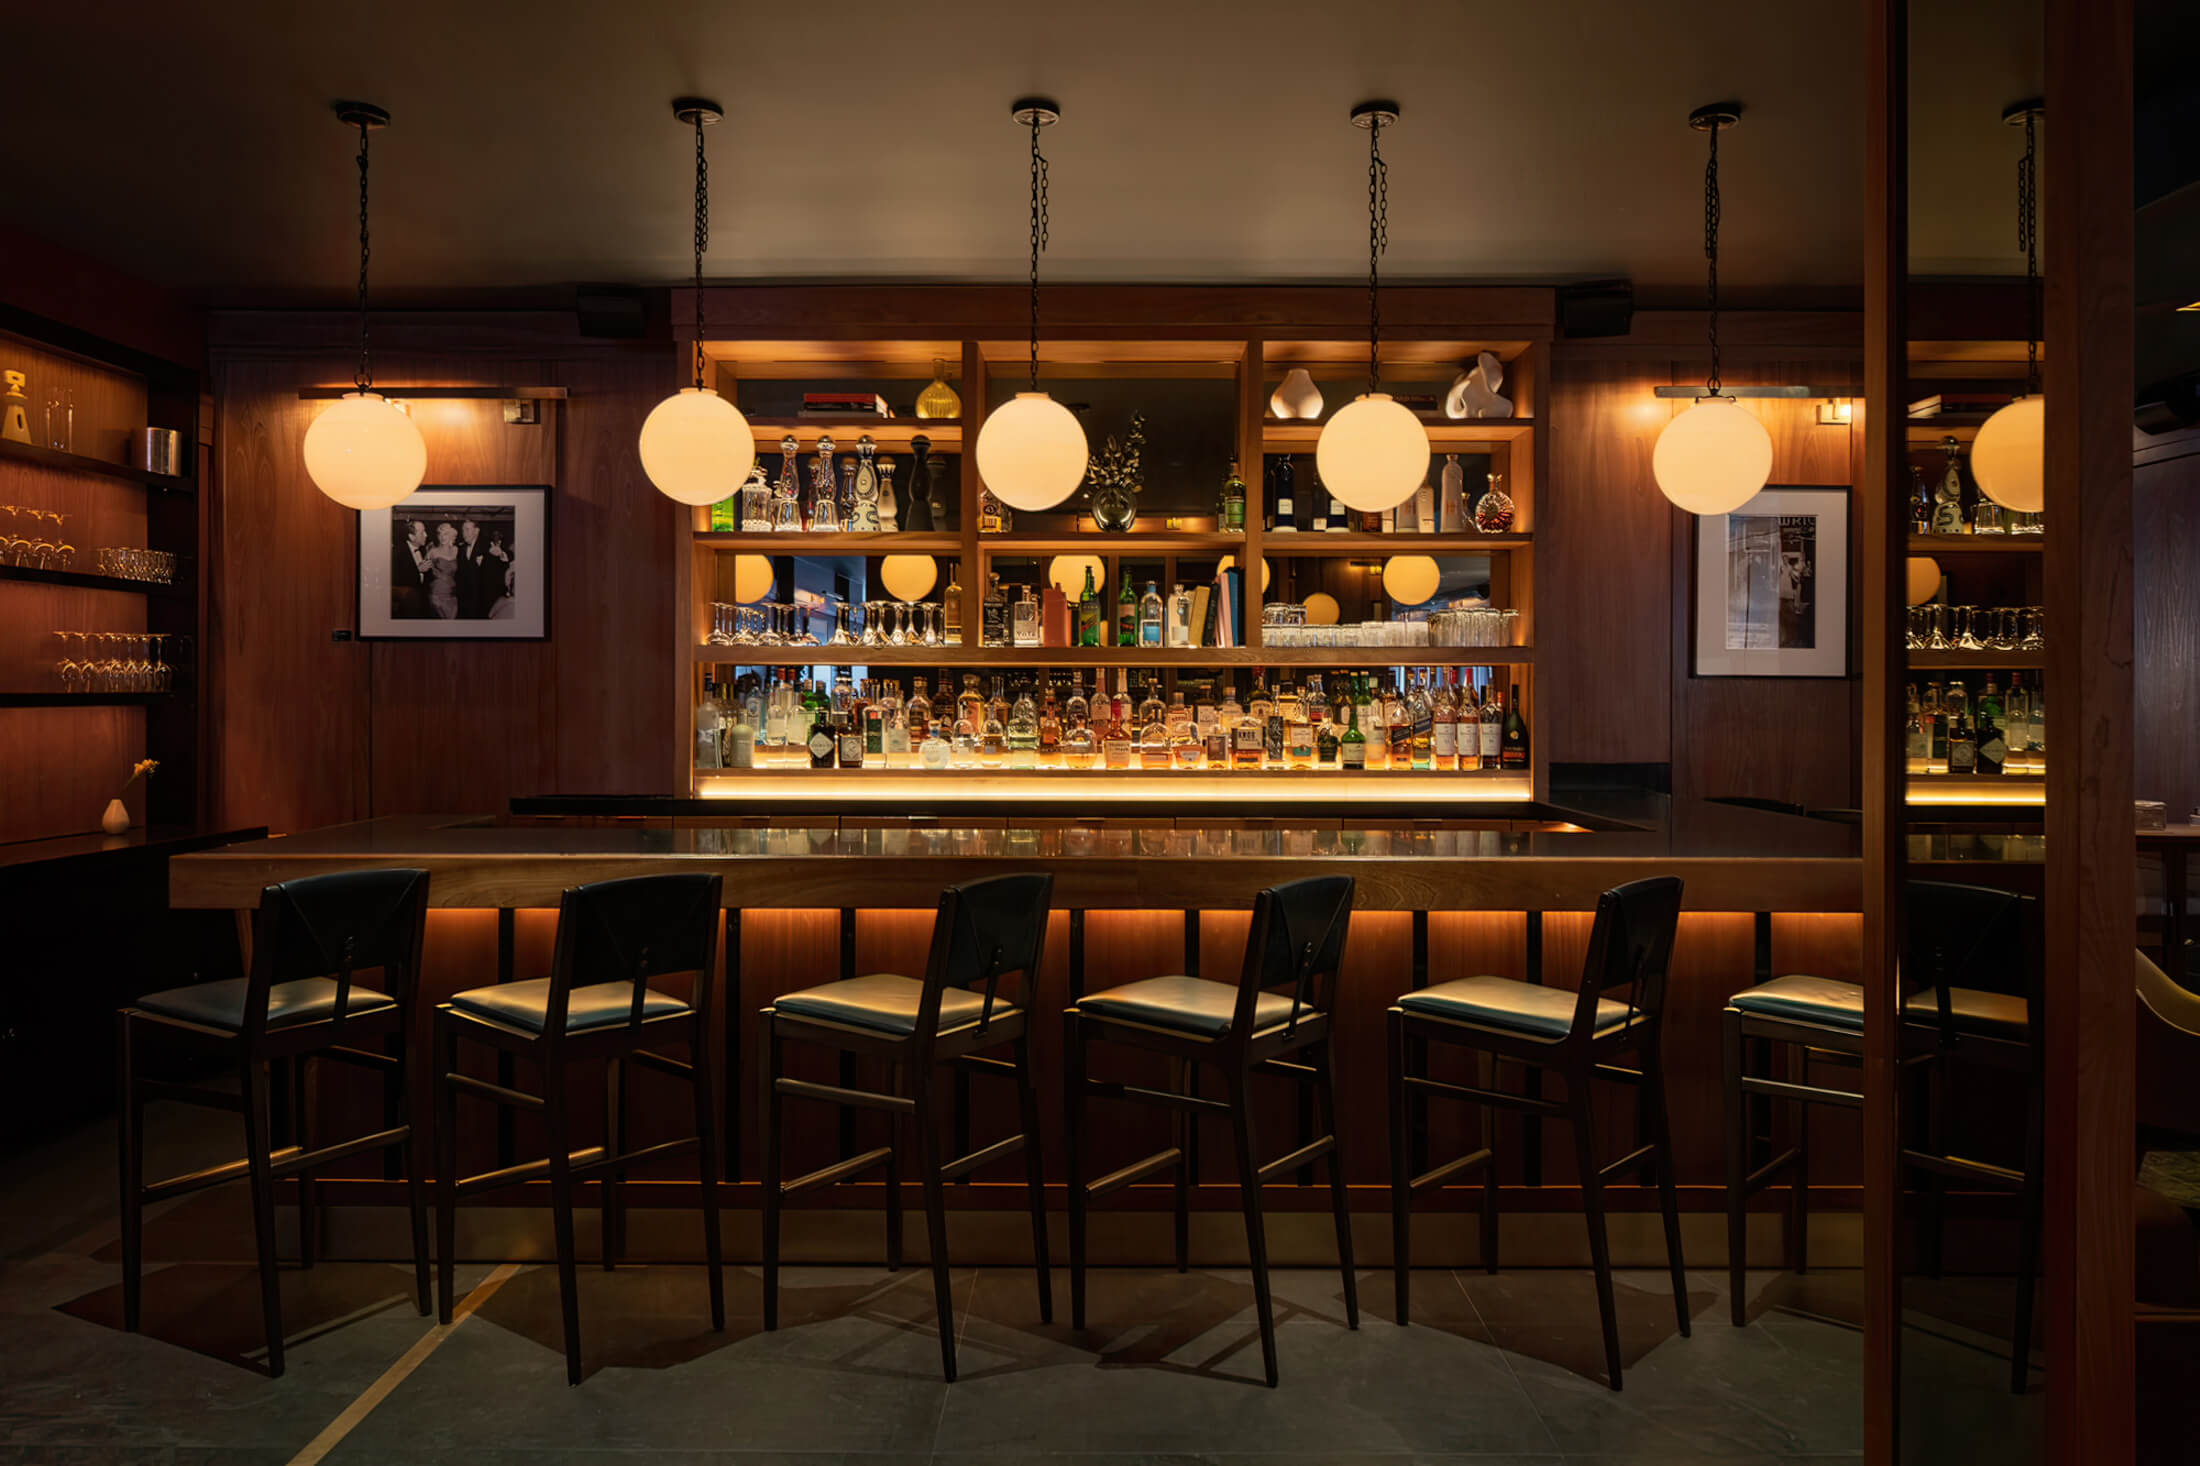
column 1505, row 1354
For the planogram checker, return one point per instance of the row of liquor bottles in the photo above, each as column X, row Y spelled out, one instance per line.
column 1296, row 501
column 1207, row 615
column 1952, row 503
column 855, row 492
column 1434, row 719
column 1948, row 731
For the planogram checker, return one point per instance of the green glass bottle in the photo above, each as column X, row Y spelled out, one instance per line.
column 1088, row 613
column 1126, row 614
column 1352, row 747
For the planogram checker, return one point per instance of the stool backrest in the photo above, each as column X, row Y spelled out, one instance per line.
column 1630, row 945
column 1297, row 939
column 336, row 926
column 631, row 931
column 1966, row 937
column 984, row 931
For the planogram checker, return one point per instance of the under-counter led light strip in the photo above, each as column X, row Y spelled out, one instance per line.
column 915, row 789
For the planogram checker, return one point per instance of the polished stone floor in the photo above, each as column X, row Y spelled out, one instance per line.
column 1496, row 1369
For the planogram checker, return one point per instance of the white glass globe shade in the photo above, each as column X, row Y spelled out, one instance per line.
column 2009, row 456
column 908, row 577
column 1066, row 573
column 1411, row 580
column 752, row 578
column 1031, row 452
column 1373, row 454
column 1321, row 609
column 365, row 454
column 1229, row 562
column 1713, row 458
column 1924, row 579
column 696, row 447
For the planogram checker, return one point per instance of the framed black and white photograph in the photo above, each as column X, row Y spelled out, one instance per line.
column 468, row 563
column 1772, row 586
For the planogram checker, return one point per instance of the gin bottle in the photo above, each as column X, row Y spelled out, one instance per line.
column 1149, row 616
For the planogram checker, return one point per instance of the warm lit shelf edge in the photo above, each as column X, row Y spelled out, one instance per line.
column 911, row 789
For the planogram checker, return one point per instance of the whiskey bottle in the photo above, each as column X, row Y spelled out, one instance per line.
column 1248, row 734
column 993, row 625
column 1514, row 751
column 993, row 732
column 1444, row 736
column 1398, row 725
column 951, row 607
column 1230, row 512
column 1153, row 735
column 1050, row 733
column 917, row 712
column 1116, row 738
column 1088, row 613
column 1917, row 744
column 1491, row 741
column 1421, row 712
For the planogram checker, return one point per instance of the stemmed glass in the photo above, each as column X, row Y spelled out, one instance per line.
column 899, row 636
column 929, row 614
column 873, row 614
column 842, row 635
column 804, row 631
column 1967, row 630
column 2035, row 629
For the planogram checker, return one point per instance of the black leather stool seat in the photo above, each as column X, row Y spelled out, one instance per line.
column 1989, row 1015
column 1191, row 1004
column 1806, row 999
column 887, row 1002
column 1503, row 1002
column 526, row 1004
column 221, row 1004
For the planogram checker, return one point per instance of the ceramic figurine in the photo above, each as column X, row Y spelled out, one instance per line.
column 872, row 507
column 15, row 421
column 1473, row 393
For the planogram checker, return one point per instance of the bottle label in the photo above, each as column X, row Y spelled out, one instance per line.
column 1354, row 755
column 821, row 744
column 1446, row 738
column 1491, row 740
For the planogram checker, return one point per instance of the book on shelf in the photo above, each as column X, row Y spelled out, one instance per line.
column 844, row 404
column 1203, row 616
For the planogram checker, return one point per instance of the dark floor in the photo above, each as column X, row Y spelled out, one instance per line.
column 1495, row 1370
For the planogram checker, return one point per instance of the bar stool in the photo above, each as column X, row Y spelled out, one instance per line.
column 1297, row 939
column 595, row 1007
column 1578, row 1035
column 984, row 931
column 310, row 938
column 1960, row 947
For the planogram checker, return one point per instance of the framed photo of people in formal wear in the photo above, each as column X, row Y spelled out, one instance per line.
column 457, row 563
column 1772, row 586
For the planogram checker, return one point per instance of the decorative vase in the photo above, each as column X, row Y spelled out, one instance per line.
column 938, row 399
column 1114, row 509
column 1297, row 396
column 116, row 821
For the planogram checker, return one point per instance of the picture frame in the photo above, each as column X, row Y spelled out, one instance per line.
column 494, row 586
column 1771, row 586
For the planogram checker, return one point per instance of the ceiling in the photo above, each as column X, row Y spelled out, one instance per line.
column 533, row 145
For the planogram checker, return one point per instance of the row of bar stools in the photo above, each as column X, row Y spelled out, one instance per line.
column 1577, row 1035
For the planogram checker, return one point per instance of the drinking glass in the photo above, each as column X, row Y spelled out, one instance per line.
column 929, row 615
column 874, row 612
column 2035, row 628
column 1967, row 630
column 900, row 636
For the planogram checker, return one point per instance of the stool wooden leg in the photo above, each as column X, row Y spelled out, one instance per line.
column 926, row 1123
column 1325, row 1108
column 610, row 1218
column 1256, row 1232
column 1655, row 1119
column 1486, row 1072
column 446, row 1166
column 130, row 1156
column 253, row 1087
column 706, row 1145
column 896, row 1136
column 1799, row 1178
column 1401, row 1175
column 772, row 1163
column 561, row 1206
column 1592, row 1207
column 1073, row 1093
column 301, row 1125
column 1737, row 1169
column 1035, row 1181
column 1184, row 1123
column 413, row 1154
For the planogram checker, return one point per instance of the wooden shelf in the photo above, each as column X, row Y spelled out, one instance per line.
column 87, row 581
column 1285, row 435
column 1972, row 790
column 1346, row 658
column 1165, row 542
column 54, row 458
column 1307, row 542
column 82, row 699
column 1983, row 660
column 1977, row 544
column 1929, row 432
column 843, row 543
column 904, row 788
column 946, row 433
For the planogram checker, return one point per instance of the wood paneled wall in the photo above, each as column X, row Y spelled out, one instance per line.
column 2165, row 543
column 312, row 731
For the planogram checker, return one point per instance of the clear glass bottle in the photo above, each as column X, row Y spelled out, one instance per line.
column 1117, row 738
column 951, row 605
column 1177, row 631
column 710, row 729
column 935, row 751
column 755, row 515
column 1493, row 512
column 1080, row 745
column 917, row 711
column 1444, row 735
column 1050, row 733
column 1490, row 739
column 1024, row 619
column 787, row 493
column 1298, row 732
column 1178, row 715
column 824, row 492
column 1150, row 616
column 993, row 739
column 1187, row 750
column 1023, row 732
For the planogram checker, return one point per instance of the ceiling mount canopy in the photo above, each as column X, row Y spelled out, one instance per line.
column 1373, row 453
column 1715, row 456
column 696, row 446
column 363, row 452
column 2009, row 455
column 1032, row 452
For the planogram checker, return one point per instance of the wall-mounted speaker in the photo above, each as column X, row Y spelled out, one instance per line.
column 617, row 311
column 1596, row 308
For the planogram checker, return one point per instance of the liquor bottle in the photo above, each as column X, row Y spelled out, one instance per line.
column 775, row 718
column 1352, row 743
column 1323, row 717
column 787, row 493
column 1283, row 517
column 1088, row 613
column 1024, row 619
column 1150, row 616
column 1317, row 501
column 2037, row 749
column 1248, row 734
column 858, row 512
column 1178, row 716
column 1451, row 504
column 741, row 729
column 710, row 729
column 1398, row 724
column 1515, row 747
column 952, row 606
column 1936, row 729
column 1421, row 713
column 1921, row 503
column 2017, row 725
column 1962, row 745
column 1207, row 723
column 997, row 705
column 874, row 726
column 1327, row 509
column 1187, row 750
column 1298, row 731
column 1153, row 734
column 1080, row 745
column 993, row 610
column 875, row 505
column 1444, row 730
column 969, row 722
column 1917, row 743
column 1230, row 514
column 919, row 518
column 993, row 515
column 1023, row 732
column 1177, row 630
column 1050, row 733
column 1126, row 614
column 848, row 730
column 1493, row 512
column 756, row 502
column 824, row 506
column 821, row 739
column 1491, row 741
column 1424, row 506
column 1116, row 737
column 1260, row 711
column 1990, row 742
column 896, row 744
column 936, row 751
column 993, row 732
column 917, row 711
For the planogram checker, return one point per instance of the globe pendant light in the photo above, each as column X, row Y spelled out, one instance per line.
column 2009, row 455
column 362, row 451
column 1373, row 453
column 1716, row 455
column 696, row 446
column 1031, row 450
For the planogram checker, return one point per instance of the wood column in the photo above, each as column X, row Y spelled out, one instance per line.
column 2087, row 228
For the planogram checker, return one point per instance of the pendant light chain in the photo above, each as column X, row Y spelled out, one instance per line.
column 1378, row 241
column 2028, row 240
column 1038, row 236
column 1711, row 253
column 364, row 376
column 702, row 239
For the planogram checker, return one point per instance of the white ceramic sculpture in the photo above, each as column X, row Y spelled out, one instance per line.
column 1296, row 396
column 1474, row 392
